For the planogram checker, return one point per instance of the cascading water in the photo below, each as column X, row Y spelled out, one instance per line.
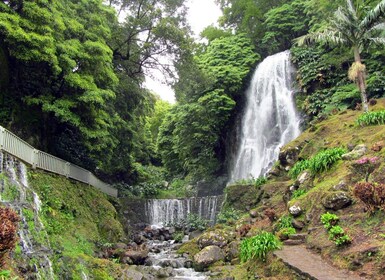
column 270, row 119
column 16, row 193
column 163, row 211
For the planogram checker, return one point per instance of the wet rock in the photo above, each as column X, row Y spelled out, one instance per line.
column 288, row 156
column 165, row 263
column 132, row 274
column 337, row 200
column 188, row 264
column 243, row 197
column 356, row 153
column 208, row 256
column 120, row 246
column 217, row 237
column 137, row 257
column 164, row 272
column 176, row 264
column 295, row 210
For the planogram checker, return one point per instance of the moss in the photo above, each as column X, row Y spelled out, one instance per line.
column 242, row 197
column 78, row 218
column 191, row 247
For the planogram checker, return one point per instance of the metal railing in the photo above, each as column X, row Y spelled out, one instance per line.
column 17, row 147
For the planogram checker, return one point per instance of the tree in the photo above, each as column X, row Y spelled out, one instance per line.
column 351, row 28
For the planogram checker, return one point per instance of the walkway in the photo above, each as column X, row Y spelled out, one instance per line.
column 311, row 265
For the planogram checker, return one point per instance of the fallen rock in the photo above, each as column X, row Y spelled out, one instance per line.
column 297, row 224
column 357, row 152
column 253, row 213
column 132, row 274
column 137, row 257
column 304, row 180
column 165, row 272
column 341, row 186
column 295, row 210
column 337, row 200
column 208, row 256
column 217, row 237
column 232, row 251
column 289, row 156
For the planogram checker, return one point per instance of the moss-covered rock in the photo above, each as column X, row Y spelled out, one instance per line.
column 218, row 237
column 242, row 197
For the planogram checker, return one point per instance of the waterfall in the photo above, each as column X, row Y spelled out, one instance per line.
column 163, row 211
column 16, row 193
column 270, row 119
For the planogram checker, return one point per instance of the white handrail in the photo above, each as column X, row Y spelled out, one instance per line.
column 17, row 147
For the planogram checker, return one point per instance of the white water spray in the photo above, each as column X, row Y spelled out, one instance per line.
column 270, row 119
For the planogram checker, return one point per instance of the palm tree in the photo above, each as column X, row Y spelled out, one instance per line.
column 348, row 28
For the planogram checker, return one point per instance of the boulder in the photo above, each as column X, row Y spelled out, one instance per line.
column 132, row 274
column 295, row 210
column 356, row 153
column 217, row 237
column 208, row 256
column 341, row 186
column 253, row 213
column 297, row 224
column 304, row 180
column 232, row 251
column 194, row 234
column 378, row 146
column 243, row 197
column 165, row 272
column 337, row 200
column 288, row 156
column 138, row 257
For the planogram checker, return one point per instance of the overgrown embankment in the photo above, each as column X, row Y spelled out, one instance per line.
column 326, row 191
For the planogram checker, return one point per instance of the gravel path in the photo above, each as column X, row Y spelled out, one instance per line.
column 311, row 265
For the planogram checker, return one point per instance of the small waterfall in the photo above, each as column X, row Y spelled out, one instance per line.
column 270, row 119
column 16, row 193
column 163, row 211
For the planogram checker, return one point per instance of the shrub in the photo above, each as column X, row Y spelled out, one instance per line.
column 329, row 220
column 284, row 222
column 372, row 118
column 298, row 193
column 371, row 194
column 258, row 246
column 365, row 166
column 8, row 231
column 257, row 182
column 337, row 234
column 228, row 215
column 319, row 163
column 178, row 236
column 194, row 222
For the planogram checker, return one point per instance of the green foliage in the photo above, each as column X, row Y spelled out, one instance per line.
column 284, row 233
column 257, row 182
column 7, row 275
column 191, row 223
column 228, row 215
column 298, row 193
column 329, row 220
column 319, row 163
column 178, row 236
column 372, row 118
column 284, row 222
column 258, row 247
column 336, row 233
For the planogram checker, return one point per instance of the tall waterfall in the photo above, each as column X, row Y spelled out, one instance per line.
column 162, row 211
column 270, row 119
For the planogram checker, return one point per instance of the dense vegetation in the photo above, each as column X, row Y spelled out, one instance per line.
column 72, row 78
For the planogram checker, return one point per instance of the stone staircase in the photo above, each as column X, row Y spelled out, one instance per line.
column 295, row 239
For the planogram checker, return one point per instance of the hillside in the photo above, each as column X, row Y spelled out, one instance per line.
column 268, row 207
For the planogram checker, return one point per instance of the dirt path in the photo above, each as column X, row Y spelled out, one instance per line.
column 311, row 265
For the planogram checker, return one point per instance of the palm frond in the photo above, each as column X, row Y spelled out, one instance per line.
column 377, row 41
column 373, row 16
column 327, row 36
column 378, row 27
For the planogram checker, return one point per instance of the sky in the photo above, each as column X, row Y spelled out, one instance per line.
column 201, row 13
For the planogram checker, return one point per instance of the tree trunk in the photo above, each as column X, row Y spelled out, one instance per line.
column 361, row 83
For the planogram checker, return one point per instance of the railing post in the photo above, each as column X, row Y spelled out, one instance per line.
column 2, row 136
column 35, row 158
column 67, row 169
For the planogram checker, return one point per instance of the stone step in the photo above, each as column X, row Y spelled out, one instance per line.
column 298, row 236
column 293, row 242
column 311, row 266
